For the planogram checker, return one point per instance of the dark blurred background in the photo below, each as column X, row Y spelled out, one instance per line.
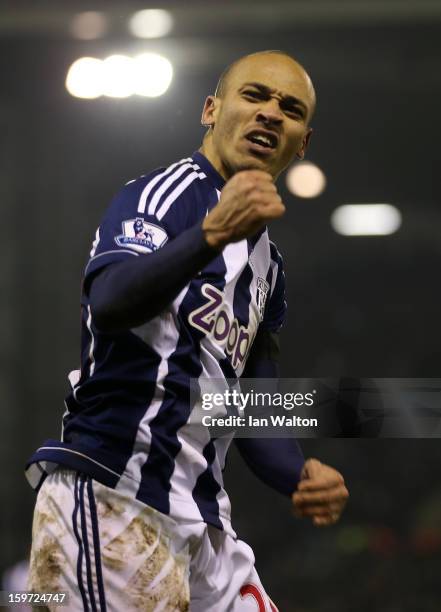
column 358, row 306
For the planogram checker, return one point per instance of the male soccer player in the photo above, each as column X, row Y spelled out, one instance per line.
column 182, row 284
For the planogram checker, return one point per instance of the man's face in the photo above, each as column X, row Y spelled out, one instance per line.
column 261, row 122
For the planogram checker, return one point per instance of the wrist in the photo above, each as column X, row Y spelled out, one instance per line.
column 216, row 239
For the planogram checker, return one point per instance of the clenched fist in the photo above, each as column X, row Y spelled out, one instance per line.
column 248, row 201
column 321, row 493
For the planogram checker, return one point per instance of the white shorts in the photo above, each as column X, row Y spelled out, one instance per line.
column 113, row 553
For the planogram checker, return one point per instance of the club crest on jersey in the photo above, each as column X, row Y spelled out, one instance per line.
column 141, row 236
column 261, row 295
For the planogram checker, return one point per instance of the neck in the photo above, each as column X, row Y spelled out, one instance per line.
column 208, row 150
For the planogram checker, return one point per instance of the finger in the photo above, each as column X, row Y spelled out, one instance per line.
column 265, row 187
column 325, row 480
column 267, row 202
column 263, row 194
column 264, row 181
column 250, row 178
column 319, row 484
column 322, row 497
column 312, row 467
column 324, row 521
column 255, row 174
column 275, row 208
column 334, row 509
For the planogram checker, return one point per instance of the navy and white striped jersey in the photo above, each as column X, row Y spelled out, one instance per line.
column 126, row 422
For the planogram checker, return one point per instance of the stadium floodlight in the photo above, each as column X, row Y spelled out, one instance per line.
column 118, row 76
column 151, row 23
column 85, row 78
column 305, row 180
column 153, row 74
column 366, row 219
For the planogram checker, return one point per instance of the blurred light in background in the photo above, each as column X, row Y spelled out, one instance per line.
column 366, row 219
column 89, row 25
column 353, row 539
column 84, row 78
column 153, row 74
column 151, row 23
column 305, row 180
column 120, row 76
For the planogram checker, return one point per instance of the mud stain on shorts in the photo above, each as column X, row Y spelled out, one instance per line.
column 142, row 545
column 107, row 508
column 172, row 586
column 42, row 519
column 133, row 541
column 46, row 566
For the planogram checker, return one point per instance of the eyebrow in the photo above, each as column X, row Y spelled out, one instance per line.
column 268, row 91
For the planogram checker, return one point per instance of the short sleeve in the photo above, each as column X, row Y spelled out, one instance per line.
column 131, row 225
column 275, row 311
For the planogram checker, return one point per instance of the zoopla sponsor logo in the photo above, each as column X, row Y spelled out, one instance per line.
column 211, row 318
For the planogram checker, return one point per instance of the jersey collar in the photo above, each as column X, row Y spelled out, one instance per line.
column 214, row 176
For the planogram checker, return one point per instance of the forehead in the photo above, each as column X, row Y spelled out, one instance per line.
column 275, row 71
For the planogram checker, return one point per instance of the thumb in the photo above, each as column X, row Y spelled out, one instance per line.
column 311, row 468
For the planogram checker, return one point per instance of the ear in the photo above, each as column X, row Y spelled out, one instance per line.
column 209, row 111
column 301, row 152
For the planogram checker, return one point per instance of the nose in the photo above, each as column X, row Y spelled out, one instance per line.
column 270, row 112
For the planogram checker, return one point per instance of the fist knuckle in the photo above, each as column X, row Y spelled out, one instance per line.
column 257, row 195
column 253, row 190
column 246, row 185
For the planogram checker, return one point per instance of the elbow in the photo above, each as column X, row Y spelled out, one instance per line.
column 109, row 320
column 115, row 310
column 102, row 318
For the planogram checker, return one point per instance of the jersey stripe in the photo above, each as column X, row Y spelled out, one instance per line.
column 151, row 184
column 207, row 488
column 175, row 194
column 275, row 256
column 184, row 365
column 92, row 342
column 235, row 256
column 95, row 243
column 173, row 178
column 152, row 334
column 161, row 191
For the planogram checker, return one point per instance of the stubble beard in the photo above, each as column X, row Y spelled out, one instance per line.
column 232, row 167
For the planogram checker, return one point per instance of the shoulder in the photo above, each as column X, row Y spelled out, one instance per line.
column 157, row 193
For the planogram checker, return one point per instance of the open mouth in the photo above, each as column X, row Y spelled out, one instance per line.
column 262, row 141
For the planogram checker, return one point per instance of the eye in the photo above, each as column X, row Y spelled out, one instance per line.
column 295, row 111
column 256, row 95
